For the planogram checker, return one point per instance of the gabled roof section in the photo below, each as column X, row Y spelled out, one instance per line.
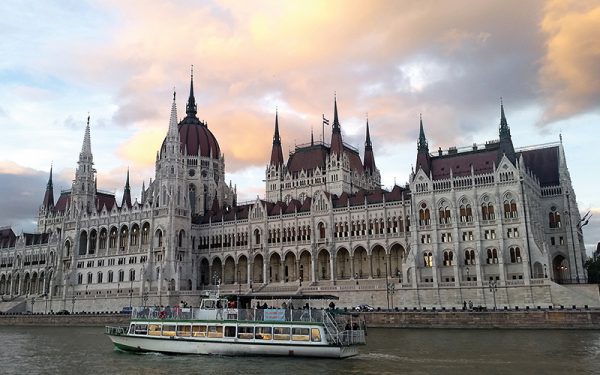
column 7, row 238
column 104, row 199
column 544, row 164
column 308, row 158
column 482, row 161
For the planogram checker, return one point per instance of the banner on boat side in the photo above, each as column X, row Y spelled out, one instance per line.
column 274, row 314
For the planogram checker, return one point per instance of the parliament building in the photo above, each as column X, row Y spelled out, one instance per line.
column 489, row 223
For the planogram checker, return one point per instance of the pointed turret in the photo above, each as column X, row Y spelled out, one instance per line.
column 276, row 152
column 423, row 158
column 191, row 108
column 369, row 163
column 48, row 202
column 83, row 188
column 126, row 193
column 337, row 146
column 86, row 148
column 506, row 146
column 173, row 132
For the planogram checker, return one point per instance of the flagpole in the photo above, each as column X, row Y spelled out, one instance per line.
column 323, row 130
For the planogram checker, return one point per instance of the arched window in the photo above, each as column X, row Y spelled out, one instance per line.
column 257, row 236
column 515, row 254
column 321, row 230
column 121, row 275
column 132, row 275
column 159, row 237
column 444, row 213
column 110, row 276
column 492, row 256
column 99, row 278
column 428, row 259
column 466, row 214
column 79, row 278
column 554, row 218
column 424, row 215
column 448, row 258
column 469, row 257
column 89, row 278
column 510, row 209
column 68, row 248
column 112, row 240
column 487, row 211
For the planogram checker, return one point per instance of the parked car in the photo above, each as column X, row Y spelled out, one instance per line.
column 363, row 307
column 63, row 312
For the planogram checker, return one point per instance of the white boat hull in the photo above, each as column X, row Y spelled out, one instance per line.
column 176, row 345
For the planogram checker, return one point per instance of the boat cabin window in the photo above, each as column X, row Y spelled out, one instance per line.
column 281, row 333
column 139, row 329
column 154, row 329
column 215, row 331
column 168, row 330
column 263, row 333
column 300, row 334
column 315, row 335
column 245, row 332
column 184, row 330
column 229, row 331
column 199, row 331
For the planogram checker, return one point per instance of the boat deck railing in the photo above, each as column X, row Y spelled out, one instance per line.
column 225, row 314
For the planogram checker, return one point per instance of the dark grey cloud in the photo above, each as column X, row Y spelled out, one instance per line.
column 22, row 196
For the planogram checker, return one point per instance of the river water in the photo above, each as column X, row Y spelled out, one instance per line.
column 75, row 350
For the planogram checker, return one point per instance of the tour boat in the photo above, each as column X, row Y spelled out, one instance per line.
column 219, row 327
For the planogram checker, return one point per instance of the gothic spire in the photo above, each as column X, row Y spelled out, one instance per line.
column 86, row 148
column 173, row 129
column 126, row 193
column 505, row 146
column 423, row 158
column 191, row 108
column 337, row 146
column 369, row 163
column 48, row 202
column 422, row 144
column 276, row 151
column 504, row 129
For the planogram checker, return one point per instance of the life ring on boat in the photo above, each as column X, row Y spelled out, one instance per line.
column 162, row 315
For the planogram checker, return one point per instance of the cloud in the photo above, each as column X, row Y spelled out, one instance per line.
column 569, row 76
column 22, row 190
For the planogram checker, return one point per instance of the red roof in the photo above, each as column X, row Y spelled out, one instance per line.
column 460, row 163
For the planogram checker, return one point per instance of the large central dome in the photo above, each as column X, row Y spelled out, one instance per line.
column 197, row 139
column 194, row 135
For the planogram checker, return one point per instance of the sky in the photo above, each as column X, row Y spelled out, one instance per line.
column 388, row 61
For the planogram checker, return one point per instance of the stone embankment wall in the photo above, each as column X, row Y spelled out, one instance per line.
column 79, row 320
column 521, row 319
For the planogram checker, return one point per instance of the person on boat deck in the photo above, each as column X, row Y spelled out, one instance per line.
column 265, row 306
column 257, row 305
column 331, row 305
column 347, row 328
column 219, row 310
column 284, row 305
column 306, row 307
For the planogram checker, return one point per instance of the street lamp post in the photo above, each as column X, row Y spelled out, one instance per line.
column 73, row 298
column 32, row 303
column 130, row 293
column 545, row 271
column 468, row 278
column 493, row 288
column 46, row 300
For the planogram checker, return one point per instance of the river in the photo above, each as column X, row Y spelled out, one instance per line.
column 64, row 350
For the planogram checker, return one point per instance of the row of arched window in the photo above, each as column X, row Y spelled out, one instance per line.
column 466, row 213
column 109, row 279
column 470, row 259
